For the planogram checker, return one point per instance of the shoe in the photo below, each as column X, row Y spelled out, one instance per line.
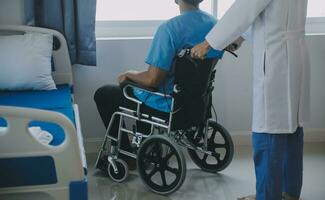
column 186, row 139
column 251, row 197
column 131, row 162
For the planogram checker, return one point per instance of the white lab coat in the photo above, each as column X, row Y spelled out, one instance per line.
column 281, row 61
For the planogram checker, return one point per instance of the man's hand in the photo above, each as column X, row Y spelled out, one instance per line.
column 200, row 50
column 125, row 76
column 122, row 78
column 152, row 78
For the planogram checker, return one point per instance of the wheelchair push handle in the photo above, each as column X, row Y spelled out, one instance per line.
column 187, row 53
column 184, row 52
column 232, row 53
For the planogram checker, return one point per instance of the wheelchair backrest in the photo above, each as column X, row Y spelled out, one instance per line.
column 193, row 88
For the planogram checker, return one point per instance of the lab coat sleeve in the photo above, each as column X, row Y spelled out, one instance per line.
column 235, row 22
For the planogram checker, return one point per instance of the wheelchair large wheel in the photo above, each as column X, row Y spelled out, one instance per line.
column 161, row 165
column 219, row 142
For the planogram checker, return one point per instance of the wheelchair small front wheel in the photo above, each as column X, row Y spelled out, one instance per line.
column 219, row 142
column 161, row 165
column 122, row 171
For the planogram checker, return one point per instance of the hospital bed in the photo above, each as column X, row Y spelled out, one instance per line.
column 30, row 169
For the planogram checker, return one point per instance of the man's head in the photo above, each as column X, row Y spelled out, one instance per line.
column 188, row 4
column 192, row 2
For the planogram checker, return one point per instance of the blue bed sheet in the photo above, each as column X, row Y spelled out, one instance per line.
column 54, row 100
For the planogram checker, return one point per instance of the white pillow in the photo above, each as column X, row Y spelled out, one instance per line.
column 25, row 62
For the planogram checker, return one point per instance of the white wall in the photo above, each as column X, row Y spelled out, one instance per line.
column 233, row 86
column 11, row 11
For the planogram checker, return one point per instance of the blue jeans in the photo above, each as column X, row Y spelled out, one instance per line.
column 278, row 160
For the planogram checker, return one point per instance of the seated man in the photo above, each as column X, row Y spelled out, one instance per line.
column 183, row 31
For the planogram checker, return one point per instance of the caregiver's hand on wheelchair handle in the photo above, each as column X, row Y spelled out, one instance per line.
column 200, row 50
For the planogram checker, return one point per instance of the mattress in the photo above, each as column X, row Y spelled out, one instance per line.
column 59, row 100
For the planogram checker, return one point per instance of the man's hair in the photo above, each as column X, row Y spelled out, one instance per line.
column 193, row 2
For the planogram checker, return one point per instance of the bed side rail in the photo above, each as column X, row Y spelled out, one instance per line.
column 17, row 142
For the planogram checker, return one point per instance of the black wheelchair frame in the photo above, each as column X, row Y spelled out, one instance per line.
column 160, row 161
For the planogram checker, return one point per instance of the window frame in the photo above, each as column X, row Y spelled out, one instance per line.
column 315, row 26
column 146, row 28
column 126, row 29
column 135, row 28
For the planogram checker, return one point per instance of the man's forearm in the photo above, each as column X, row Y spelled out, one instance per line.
column 150, row 78
column 142, row 78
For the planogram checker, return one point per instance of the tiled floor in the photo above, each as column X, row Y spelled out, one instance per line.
column 235, row 181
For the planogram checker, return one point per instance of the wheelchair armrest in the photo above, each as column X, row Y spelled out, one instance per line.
column 125, row 84
column 129, row 83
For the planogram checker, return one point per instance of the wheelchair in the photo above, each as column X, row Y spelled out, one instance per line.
column 160, row 160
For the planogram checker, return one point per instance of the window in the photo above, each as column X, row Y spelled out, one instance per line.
column 316, row 17
column 140, row 18
column 132, row 10
column 135, row 18
column 315, row 13
column 316, row 8
column 223, row 6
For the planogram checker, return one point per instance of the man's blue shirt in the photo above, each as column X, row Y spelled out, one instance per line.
column 183, row 31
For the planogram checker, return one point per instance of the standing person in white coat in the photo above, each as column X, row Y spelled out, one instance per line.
column 281, row 87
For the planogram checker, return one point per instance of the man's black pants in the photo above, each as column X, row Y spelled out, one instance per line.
column 109, row 98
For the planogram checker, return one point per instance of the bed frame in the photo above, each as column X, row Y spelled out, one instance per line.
column 62, row 166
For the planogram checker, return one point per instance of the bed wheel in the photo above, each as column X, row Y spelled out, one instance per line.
column 219, row 142
column 161, row 165
column 122, row 171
